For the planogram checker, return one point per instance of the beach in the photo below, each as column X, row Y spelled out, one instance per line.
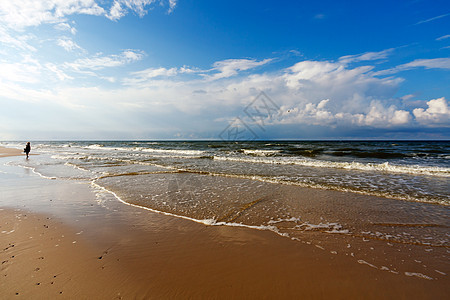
column 5, row 152
column 95, row 239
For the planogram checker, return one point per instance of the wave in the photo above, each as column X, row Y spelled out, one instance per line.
column 330, row 228
column 209, row 222
column 369, row 154
column 174, row 151
column 97, row 147
column 382, row 167
column 303, row 152
column 286, row 181
column 186, row 153
column 263, row 153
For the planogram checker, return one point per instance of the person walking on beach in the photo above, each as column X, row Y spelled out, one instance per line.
column 27, row 149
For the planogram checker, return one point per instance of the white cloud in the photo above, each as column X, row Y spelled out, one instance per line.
column 432, row 19
column 377, row 116
column 368, row 56
column 437, row 113
column 311, row 113
column 26, row 71
column 221, row 69
column 380, row 116
column 155, row 72
column 306, row 70
column 322, row 93
column 350, row 89
column 116, row 12
column 16, row 91
column 65, row 27
column 68, row 44
column 132, row 55
column 148, row 74
column 433, row 63
column 121, row 7
column 59, row 73
column 99, row 62
column 16, row 41
column 172, row 4
column 407, row 97
column 443, row 37
column 355, row 96
column 19, row 14
column 231, row 67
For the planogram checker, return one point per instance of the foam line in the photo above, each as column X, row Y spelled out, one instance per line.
column 208, row 222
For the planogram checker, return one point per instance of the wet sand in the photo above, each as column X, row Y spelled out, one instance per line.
column 5, row 152
column 58, row 238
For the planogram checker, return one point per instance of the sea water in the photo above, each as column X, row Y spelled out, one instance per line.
column 290, row 187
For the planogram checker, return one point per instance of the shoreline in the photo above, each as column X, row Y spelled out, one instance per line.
column 146, row 254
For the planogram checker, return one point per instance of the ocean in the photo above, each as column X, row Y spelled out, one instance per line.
column 289, row 187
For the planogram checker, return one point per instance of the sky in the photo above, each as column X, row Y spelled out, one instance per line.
column 226, row 69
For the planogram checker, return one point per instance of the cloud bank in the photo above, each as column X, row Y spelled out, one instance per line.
column 326, row 94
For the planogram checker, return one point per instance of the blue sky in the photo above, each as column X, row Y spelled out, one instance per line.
column 185, row 69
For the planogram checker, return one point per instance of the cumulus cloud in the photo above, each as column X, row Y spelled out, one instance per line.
column 313, row 93
column 376, row 115
column 437, row 113
column 310, row 92
column 380, row 116
column 311, row 113
column 349, row 89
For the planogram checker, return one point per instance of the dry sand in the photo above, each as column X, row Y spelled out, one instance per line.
column 57, row 239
